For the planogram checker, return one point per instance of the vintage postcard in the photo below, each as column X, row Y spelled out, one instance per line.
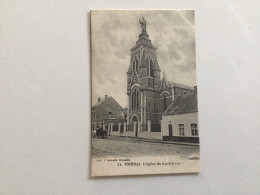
column 144, row 115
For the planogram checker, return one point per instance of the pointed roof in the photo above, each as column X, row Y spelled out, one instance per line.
column 156, row 66
column 110, row 104
column 164, row 83
column 143, row 40
column 108, row 99
column 183, row 104
column 164, row 80
column 99, row 103
column 135, row 79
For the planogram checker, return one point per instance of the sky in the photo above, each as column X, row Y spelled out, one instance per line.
column 114, row 33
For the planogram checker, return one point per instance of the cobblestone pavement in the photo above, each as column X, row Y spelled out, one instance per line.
column 130, row 147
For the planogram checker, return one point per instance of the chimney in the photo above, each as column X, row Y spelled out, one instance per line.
column 106, row 97
column 99, row 99
column 195, row 89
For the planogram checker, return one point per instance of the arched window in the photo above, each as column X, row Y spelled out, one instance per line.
column 151, row 68
column 135, row 64
column 147, row 63
column 164, row 103
column 135, row 96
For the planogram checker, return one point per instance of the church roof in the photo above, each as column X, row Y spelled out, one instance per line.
column 183, row 104
column 173, row 84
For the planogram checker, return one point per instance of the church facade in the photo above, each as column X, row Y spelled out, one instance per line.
column 149, row 95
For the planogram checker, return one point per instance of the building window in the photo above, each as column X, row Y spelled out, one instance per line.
column 110, row 114
column 151, row 69
column 129, row 80
column 164, row 102
column 154, row 104
column 135, row 98
column 148, row 104
column 135, row 64
column 134, row 68
column 181, row 130
column 94, row 114
column 194, row 129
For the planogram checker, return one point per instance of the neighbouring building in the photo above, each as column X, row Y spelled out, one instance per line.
column 180, row 120
column 149, row 95
column 108, row 114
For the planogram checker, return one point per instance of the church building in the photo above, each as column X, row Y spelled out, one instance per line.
column 149, row 95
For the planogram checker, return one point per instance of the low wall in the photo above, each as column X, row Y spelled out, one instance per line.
column 117, row 133
column 129, row 134
column 150, row 135
column 182, row 139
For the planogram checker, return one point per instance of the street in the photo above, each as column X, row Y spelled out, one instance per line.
column 131, row 147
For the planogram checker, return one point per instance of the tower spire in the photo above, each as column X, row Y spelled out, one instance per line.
column 144, row 37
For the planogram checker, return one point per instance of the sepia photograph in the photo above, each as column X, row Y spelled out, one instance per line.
column 130, row 97
column 144, row 115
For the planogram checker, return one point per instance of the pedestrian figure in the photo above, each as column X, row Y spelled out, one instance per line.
column 94, row 132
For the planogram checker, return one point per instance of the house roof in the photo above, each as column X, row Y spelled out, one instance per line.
column 183, row 104
column 99, row 103
column 108, row 99
column 109, row 104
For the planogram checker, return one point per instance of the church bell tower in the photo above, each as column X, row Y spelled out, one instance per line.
column 143, row 80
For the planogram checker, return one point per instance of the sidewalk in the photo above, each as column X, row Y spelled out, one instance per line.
column 123, row 138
